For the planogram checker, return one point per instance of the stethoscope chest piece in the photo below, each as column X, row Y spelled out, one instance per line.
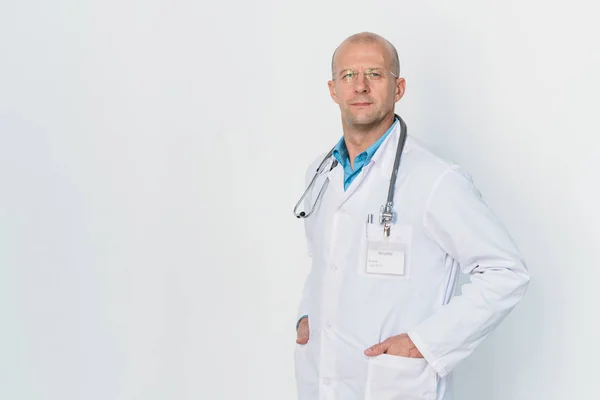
column 386, row 217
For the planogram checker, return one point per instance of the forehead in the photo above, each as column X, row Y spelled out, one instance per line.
column 365, row 55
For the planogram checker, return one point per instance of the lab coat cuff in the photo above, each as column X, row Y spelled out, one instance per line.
column 300, row 319
column 439, row 367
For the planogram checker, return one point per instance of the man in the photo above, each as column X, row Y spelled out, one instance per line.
column 378, row 318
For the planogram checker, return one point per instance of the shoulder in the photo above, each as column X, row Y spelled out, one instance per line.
column 422, row 158
column 422, row 153
column 432, row 168
column 314, row 164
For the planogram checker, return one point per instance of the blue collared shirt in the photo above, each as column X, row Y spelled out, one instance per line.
column 340, row 152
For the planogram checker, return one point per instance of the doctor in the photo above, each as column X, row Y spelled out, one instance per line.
column 377, row 318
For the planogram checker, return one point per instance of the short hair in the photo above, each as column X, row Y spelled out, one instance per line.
column 369, row 37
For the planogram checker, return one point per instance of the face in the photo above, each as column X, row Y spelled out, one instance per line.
column 363, row 85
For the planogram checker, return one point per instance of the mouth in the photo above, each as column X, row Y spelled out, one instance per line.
column 360, row 104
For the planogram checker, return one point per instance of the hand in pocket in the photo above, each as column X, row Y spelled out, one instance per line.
column 399, row 345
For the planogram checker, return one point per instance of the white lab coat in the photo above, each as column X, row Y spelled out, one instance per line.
column 446, row 228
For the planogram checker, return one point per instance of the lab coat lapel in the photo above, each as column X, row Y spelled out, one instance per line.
column 376, row 172
column 384, row 157
column 336, row 178
column 336, row 183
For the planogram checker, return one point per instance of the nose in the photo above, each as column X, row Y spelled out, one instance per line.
column 361, row 85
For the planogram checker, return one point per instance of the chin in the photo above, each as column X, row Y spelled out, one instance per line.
column 361, row 119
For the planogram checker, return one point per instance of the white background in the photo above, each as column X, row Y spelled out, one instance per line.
column 151, row 153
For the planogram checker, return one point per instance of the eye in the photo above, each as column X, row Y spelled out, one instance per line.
column 348, row 75
column 374, row 75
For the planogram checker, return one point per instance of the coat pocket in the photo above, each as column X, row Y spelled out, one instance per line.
column 400, row 378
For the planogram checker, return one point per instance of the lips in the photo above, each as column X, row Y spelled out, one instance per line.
column 360, row 104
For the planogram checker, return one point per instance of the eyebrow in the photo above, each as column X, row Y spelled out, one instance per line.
column 368, row 68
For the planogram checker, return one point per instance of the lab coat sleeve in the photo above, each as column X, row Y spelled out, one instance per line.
column 459, row 221
column 303, row 307
column 304, row 299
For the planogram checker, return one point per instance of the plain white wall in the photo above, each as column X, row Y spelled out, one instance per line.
column 151, row 153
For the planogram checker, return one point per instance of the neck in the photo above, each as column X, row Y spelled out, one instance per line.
column 359, row 138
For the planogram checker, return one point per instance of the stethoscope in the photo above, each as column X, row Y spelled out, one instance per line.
column 386, row 214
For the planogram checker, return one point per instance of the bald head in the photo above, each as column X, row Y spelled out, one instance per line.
column 368, row 37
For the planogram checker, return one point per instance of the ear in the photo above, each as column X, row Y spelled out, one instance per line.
column 400, row 88
column 332, row 92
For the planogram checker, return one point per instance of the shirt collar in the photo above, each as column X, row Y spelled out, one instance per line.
column 340, row 151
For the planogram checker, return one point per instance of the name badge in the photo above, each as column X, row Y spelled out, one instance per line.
column 385, row 257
